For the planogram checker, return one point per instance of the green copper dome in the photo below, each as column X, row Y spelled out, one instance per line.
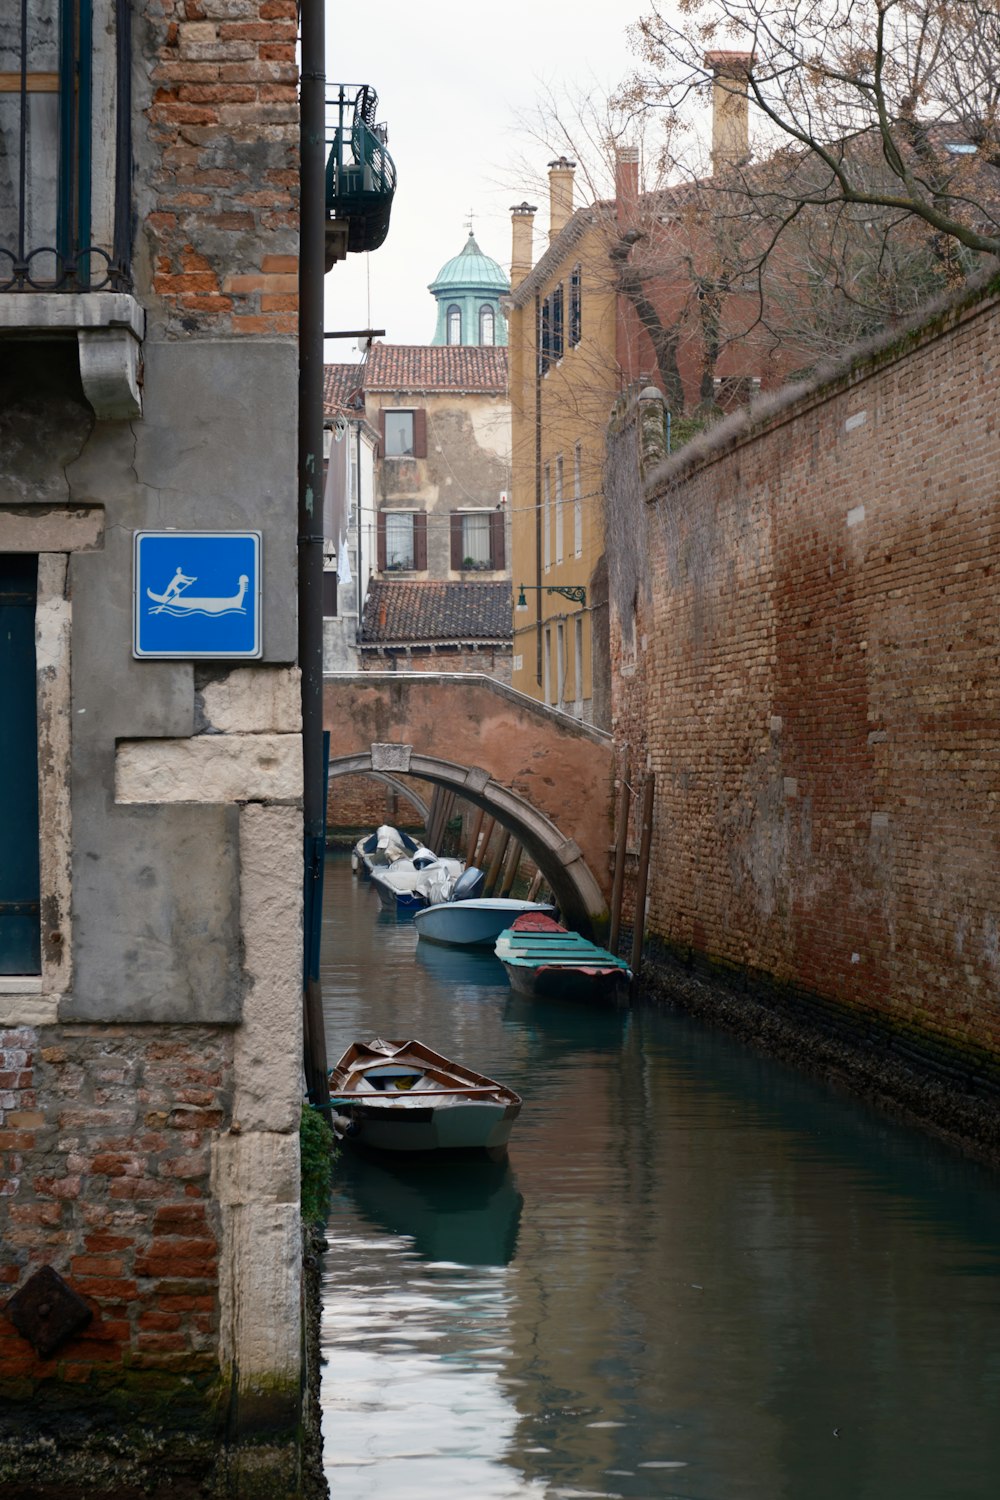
column 468, row 289
column 470, row 270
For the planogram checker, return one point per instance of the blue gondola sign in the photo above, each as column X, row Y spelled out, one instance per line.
column 197, row 594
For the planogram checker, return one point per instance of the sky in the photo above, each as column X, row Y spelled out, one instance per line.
column 452, row 80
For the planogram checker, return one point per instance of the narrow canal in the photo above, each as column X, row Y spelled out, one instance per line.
column 699, row 1274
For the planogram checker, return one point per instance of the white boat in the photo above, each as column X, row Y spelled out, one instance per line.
column 403, row 887
column 386, row 846
column 473, row 924
column 403, row 1096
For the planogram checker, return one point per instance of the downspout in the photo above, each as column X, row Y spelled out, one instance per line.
column 538, row 492
column 312, row 92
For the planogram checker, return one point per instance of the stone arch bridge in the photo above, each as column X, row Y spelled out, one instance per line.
column 543, row 775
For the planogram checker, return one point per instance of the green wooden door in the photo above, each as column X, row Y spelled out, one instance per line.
column 19, row 918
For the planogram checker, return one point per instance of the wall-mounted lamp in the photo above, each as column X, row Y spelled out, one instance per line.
column 574, row 591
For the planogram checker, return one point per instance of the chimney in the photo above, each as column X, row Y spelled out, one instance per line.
column 560, row 194
column 730, row 111
column 522, row 219
column 626, row 184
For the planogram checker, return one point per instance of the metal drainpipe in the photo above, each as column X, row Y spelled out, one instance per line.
column 312, row 215
column 538, row 492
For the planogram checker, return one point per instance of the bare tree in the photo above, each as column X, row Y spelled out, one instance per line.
column 889, row 105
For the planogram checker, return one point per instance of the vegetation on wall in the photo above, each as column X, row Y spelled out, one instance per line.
column 317, row 1155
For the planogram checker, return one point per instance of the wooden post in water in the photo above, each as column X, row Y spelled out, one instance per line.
column 621, row 846
column 445, row 810
column 645, row 841
column 470, row 848
column 509, row 873
column 480, row 858
column 432, row 817
column 495, row 863
column 535, row 886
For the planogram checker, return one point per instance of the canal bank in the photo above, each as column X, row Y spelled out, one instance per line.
column 950, row 1092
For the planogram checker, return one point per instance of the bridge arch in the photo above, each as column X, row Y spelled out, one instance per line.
column 559, row 858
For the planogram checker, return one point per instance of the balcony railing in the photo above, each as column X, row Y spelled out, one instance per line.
column 360, row 173
column 65, row 146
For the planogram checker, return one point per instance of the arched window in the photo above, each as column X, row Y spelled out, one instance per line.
column 487, row 325
column 454, row 325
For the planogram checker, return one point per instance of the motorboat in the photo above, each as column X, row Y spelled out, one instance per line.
column 406, row 887
column 544, row 959
column 385, row 848
column 473, row 923
column 404, row 1096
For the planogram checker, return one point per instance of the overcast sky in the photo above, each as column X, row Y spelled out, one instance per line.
column 452, row 79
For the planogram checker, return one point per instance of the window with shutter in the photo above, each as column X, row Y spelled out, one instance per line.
column 498, row 547
column 456, row 541
column 420, row 540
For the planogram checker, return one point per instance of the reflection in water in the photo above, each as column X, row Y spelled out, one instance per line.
column 462, row 1211
column 724, row 1281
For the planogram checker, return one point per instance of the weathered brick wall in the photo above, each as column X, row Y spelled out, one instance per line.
column 818, row 693
column 219, row 165
column 105, row 1175
column 361, row 803
column 105, row 1172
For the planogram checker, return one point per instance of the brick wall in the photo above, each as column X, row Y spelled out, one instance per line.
column 221, row 184
column 104, row 1175
column 812, row 677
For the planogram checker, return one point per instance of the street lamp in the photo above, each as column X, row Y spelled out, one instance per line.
column 574, row 591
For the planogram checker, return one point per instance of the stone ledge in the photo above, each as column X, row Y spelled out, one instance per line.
column 109, row 328
column 216, row 768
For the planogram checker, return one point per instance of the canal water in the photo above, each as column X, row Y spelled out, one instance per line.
column 699, row 1274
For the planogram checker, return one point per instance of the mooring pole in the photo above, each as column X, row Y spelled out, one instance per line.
column 621, row 846
column 645, row 842
column 312, row 218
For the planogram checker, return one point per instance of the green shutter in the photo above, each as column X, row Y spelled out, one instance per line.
column 19, row 880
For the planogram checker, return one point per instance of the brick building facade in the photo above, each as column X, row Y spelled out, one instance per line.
column 804, row 647
column 150, row 1044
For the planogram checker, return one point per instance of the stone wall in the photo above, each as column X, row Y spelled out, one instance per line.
column 809, row 669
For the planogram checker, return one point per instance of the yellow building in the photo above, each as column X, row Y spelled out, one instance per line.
column 563, row 381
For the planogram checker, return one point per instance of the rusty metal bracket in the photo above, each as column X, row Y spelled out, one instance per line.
column 46, row 1311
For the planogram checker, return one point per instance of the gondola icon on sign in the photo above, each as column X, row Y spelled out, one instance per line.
column 197, row 594
column 173, row 601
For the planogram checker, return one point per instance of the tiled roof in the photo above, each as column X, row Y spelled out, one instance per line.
column 399, row 613
column 424, row 367
column 342, row 390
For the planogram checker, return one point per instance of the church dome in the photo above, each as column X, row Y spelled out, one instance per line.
column 470, row 270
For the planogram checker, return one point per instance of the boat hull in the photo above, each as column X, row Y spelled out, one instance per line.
column 404, row 1097
column 599, row 986
column 543, row 959
column 445, row 1128
column 471, row 924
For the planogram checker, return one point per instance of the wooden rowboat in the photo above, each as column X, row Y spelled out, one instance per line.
column 403, row 1096
column 543, row 959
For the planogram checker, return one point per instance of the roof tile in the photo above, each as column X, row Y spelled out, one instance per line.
column 398, row 613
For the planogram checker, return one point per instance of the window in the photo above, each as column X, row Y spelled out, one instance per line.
column 329, row 593
column 577, row 504
column 575, row 306
column 557, row 322
column 20, row 920
column 402, row 541
column 559, row 509
column 404, row 433
column 547, row 666
column 544, row 326
column 560, row 663
column 578, row 666
column 477, row 541
column 487, row 325
column 454, row 324
column 546, row 527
